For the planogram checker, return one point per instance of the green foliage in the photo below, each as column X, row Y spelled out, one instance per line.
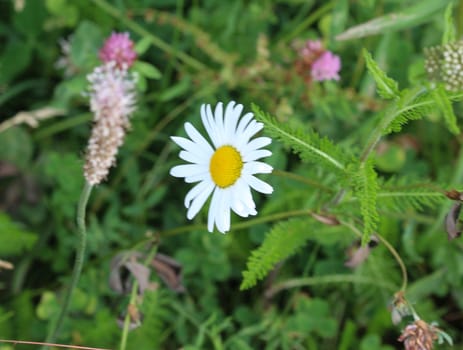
column 449, row 34
column 444, row 104
column 151, row 330
column 335, row 162
column 281, row 242
column 13, row 239
column 310, row 146
column 365, row 187
column 387, row 88
column 402, row 194
column 406, row 18
column 412, row 105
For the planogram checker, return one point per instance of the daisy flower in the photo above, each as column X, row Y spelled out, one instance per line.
column 224, row 169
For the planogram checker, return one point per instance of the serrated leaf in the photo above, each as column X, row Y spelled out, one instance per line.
column 387, row 87
column 365, row 187
column 306, row 143
column 282, row 241
column 410, row 17
column 445, row 106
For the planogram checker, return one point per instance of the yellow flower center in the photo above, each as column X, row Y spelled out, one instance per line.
column 225, row 166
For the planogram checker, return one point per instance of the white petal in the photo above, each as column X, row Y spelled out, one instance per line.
column 243, row 123
column 258, row 185
column 257, row 168
column 232, row 114
column 213, row 209
column 215, row 134
column 253, row 128
column 223, row 219
column 255, row 144
column 195, row 191
column 186, row 170
column 254, row 155
column 218, row 114
column 186, row 144
column 193, row 158
column 209, row 124
column 198, row 139
column 243, row 193
column 239, row 206
column 199, row 201
column 198, row 177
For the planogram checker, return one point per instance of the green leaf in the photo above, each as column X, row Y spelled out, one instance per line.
column 282, row 241
column 15, row 58
column 365, row 187
column 16, row 147
column 408, row 18
column 13, row 239
column 445, row 106
column 449, row 35
column 306, row 143
column 142, row 45
column 85, row 45
column 147, row 70
column 387, row 88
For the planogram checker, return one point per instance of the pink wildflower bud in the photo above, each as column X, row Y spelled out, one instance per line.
column 112, row 101
column 118, row 48
column 326, row 67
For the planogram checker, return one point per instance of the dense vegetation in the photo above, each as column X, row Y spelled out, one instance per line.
column 358, row 244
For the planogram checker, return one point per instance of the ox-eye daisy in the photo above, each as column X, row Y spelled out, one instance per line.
column 226, row 168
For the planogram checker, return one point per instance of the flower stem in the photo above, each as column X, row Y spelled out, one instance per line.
column 78, row 263
column 125, row 330
column 389, row 247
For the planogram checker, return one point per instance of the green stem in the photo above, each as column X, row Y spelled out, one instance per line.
column 391, row 250
column 302, row 179
column 133, row 300
column 390, row 114
column 310, row 281
column 125, row 330
column 78, row 263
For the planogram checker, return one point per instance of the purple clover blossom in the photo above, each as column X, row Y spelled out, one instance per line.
column 118, row 48
column 326, row 67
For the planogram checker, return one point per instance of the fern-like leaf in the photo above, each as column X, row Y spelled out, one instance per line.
column 282, row 241
column 387, row 87
column 400, row 194
column 307, row 144
column 365, row 187
column 443, row 103
column 412, row 105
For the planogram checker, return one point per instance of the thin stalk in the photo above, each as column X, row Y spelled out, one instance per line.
column 125, row 330
column 78, row 263
column 391, row 250
column 302, row 179
column 315, row 16
column 310, row 281
column 133, row 301
column 389, row 116
column 240, row 225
